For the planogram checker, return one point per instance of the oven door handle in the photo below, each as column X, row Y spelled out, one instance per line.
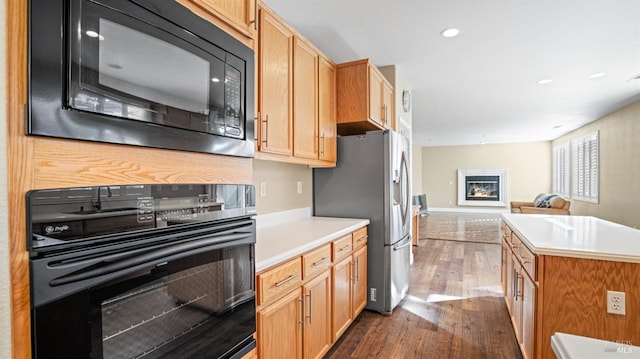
column 108, row 266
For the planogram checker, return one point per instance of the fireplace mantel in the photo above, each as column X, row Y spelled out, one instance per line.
column 482, row 187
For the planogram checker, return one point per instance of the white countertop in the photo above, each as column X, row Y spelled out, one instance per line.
column 286, row 239
column 576, row 236
column 569, row 346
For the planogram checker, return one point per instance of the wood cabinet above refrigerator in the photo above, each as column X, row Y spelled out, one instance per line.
column 365, row 98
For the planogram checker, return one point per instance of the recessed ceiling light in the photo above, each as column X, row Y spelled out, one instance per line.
column 451, row 32
column 595, row 75
column 92, row 33
column 544, row 81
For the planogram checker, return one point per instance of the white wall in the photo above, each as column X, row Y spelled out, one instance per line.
column 5, row 313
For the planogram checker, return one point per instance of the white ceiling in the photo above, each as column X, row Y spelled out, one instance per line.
column 481, row 86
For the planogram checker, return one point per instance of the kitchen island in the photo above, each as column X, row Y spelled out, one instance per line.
column 556, row 271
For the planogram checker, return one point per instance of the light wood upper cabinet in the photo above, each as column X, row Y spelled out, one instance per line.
column 376, row 106
column 305, row 100
column 364, row 98
column 327, row 110
column 274, row 86
column 296, row 97
column 388, row 107
column 236, row 17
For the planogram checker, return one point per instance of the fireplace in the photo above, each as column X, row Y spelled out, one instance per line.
column 482, row 187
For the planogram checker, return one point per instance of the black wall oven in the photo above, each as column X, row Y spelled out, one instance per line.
column 144, row 271
column 138, row 72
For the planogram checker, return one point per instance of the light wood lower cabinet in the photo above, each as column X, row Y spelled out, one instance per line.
column 342, row 311
column 306, row 303
column 349, row 281
column 316, row 336
column 552, row 293
column 359, row 282
column 279, row 328
column 520, row 289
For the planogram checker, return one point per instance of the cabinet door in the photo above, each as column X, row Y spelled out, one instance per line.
column 341, row 297
column 274, row 79
column 509, row 279
column 516, row 308
column 317, row 336
column 359, row 281
column 327, row 110
column 279, row 328
column 305, row 106
column 387, row 106
column 528, row 315
column 238, row 15
column 503, row 268
column 375, row 96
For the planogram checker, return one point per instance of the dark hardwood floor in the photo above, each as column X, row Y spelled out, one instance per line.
column 454, row 309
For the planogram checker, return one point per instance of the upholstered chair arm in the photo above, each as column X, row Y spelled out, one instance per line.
column 515, row 204
column 536, row 210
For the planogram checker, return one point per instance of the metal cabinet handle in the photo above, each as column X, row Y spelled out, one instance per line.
column 310, row 305
column 302, row 310
column 344, row 248
column 324, row 259
column 385, row 113
column 357, row 265
column 322, row 144
column 266, row 130
column 353, row 272
column 255, row 15
column 282, row 282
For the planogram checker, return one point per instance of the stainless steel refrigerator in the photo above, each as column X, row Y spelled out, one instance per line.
column 372, row 180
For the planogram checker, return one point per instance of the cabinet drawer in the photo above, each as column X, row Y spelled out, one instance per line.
column 506, row 232
column 316, row 261
column 529, row 261
column 525, row 256
column 360, row 238
column 279, row 280
column 342, row 247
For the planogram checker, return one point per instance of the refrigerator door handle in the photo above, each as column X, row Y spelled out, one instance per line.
column 402, row 246
column 404, row 189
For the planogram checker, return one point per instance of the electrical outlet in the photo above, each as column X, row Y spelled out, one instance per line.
column 263, row 189
column 299, row 187
column 616, row 303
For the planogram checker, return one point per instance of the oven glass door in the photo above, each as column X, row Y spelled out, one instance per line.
column 199, row 306
column 127, row 67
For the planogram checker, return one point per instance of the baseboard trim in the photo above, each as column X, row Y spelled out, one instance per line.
column 467, row 210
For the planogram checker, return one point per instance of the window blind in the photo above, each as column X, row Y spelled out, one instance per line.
column 561, row 169
column 585, row 168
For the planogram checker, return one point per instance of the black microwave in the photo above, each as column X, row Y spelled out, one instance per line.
column 140, row 72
